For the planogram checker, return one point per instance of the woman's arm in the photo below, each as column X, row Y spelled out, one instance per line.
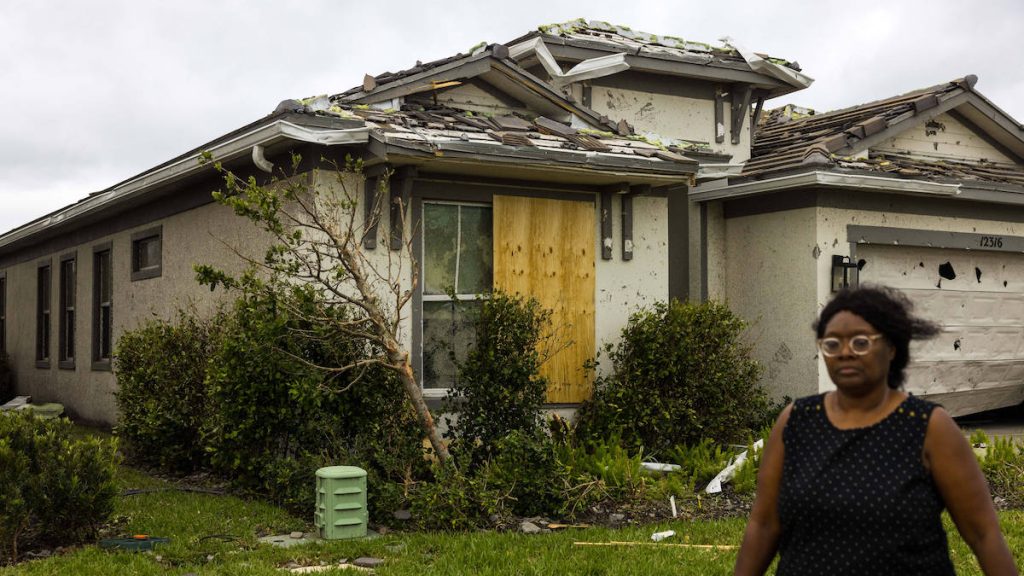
column 965, row 492
column 761, row 539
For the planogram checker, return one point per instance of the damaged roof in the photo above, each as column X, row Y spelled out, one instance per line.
column 580, row 40
column 610, row 37
column 440, row 131
column 792, row 139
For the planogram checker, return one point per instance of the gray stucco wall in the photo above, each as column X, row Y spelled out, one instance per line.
column 201, row 235
column 772, row 282
column 662, row 108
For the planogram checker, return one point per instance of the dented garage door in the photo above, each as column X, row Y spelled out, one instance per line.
column 977, row 362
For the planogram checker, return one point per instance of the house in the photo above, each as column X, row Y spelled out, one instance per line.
column 923, row 192
column 556, row 165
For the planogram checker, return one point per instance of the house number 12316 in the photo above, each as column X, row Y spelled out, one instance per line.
column 991, row 241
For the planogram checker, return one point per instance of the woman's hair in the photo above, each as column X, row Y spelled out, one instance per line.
column 889, row 311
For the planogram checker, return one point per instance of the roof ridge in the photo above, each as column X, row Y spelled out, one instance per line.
column 967, row 82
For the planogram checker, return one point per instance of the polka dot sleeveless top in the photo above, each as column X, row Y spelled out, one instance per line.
column 859, row 501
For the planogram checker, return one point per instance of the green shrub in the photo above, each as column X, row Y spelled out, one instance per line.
column 1003, row 465
column 701, row 461
column 275, row 416
column 451, row 501
column 526, row 473
column 620, row 472
column 55, row 490
column 499, row 389
column 161, row 398
column 6, row 378
column 680, row 374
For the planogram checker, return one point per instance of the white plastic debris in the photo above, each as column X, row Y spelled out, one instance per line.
column 659, row 536
column 727, row 473
column 672, row 502
column 659, row 467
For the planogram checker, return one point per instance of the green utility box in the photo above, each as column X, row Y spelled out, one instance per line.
column 341, row 502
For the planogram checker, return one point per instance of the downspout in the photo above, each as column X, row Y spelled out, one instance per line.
column 260, row 160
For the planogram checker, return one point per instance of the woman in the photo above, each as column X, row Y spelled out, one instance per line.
column 854, row 481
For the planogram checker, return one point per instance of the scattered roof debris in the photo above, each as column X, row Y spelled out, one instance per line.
column 423, row 125
column 792, row 138
column 624, row 39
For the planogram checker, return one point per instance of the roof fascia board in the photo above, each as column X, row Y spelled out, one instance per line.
column 241, row 145
column 758, row 64
column 467, row 68
column 521, row 89
column 1005, row 145
column 535, row 47
column 667, row 65
column 530, row 170
column 513, row 77
column 981, row 109
column 1004, row 195
column 593, row 68
column 557, row 159
column 829, row 179
column 900, row 125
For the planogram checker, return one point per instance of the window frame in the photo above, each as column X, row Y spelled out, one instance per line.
column 3, row 312
column 67, row 323
column 153, row 270
column 420, row 250
column 44, row 313
column 100, row 362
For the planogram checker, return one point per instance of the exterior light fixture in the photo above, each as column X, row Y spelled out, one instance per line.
column 844, row 272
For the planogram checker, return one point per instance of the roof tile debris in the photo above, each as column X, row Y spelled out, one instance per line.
column 793, row 138
column 421, row 125
column 606, row 36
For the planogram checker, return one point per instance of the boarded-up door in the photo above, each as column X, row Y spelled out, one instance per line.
column 545, row 249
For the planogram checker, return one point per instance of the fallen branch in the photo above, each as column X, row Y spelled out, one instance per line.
column 698, row 546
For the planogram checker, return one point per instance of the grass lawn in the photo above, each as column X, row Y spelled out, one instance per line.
column 212, row 534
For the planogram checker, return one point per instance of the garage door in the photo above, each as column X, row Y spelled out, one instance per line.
column 977, row 362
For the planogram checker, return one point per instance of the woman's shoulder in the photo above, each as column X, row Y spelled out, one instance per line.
column 920, row 405
column 809, row 402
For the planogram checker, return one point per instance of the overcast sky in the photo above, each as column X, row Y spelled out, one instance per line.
column 95, row 92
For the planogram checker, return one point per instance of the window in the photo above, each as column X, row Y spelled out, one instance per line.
column 147, row 260
column 457, row 260
column 43, row 315
column 3, row 313
column 102, row 296
column 66, row 330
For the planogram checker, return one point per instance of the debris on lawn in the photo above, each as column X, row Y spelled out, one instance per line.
column 289, row 540
column 672, row 545
column 660, row 467
column 564, row 526
column 326, row 567
column 136, row 543
column 729, row 471
column 659, row 536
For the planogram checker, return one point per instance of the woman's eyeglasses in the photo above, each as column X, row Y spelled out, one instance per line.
column 859, row 344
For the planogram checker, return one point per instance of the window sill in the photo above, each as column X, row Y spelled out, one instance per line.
column 44, row 364
column 101, row 366
column 146, row 273
column 66, row 365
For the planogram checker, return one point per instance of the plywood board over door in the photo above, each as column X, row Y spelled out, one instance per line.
column 545, row 249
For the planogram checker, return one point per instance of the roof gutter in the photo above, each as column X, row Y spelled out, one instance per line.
column 716, row 191
column 277, row 131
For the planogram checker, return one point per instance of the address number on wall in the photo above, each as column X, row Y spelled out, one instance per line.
column 990, row 242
